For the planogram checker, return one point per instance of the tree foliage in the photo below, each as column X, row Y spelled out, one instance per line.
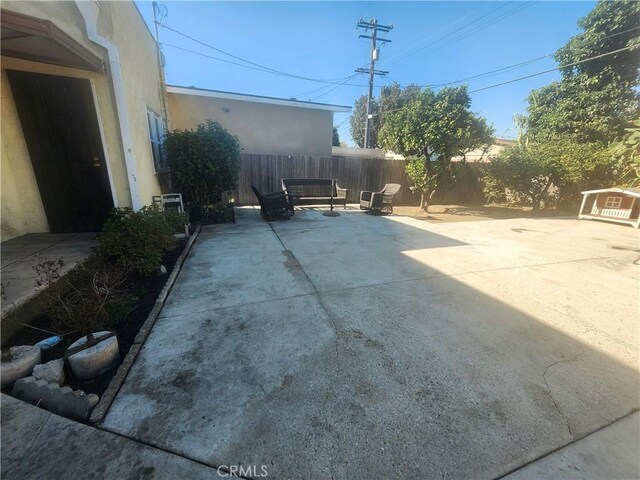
column 391, row 99
column 566, row 143
column 357, row 122
column 596, row 99
column 626, row 154
column 431, row 129
column 204, row 162
column 336, row 137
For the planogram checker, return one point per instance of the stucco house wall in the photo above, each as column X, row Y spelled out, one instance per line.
column 21, row 205
column 295, row 128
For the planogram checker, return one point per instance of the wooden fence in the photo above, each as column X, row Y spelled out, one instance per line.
column 354, row 173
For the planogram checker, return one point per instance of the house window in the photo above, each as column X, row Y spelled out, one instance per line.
column 156, row 133
column 613, row 202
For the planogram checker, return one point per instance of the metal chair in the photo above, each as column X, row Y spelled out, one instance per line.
column 169, row 201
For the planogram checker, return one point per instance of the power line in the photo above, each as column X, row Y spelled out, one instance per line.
column 254, row 64
column 343, row 121
column 512, row 67
column 333, row 88
column 492, row 73
column 478, row 28
column 630, row 47
column 443, row 38
column 521, row 64
column 260, row 69
column 415, row 47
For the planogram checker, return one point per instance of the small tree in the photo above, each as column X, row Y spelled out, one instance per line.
column 205, row 163
column 431, row 129
column 392, row 98
column 336, row 137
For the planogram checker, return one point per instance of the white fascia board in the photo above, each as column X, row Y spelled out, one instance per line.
column 256, row 99
column 613, row 190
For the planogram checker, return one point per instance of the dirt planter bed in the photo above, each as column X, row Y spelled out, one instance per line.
column 131, row 333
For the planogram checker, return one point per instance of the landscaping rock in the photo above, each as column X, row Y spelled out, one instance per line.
column 60, row 400
column 23, row 359
column 162, row 270
column 95, row 360
column 50, row 372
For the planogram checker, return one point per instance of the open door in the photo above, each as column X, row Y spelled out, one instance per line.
column 60, row 127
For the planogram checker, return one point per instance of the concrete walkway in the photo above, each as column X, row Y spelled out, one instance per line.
column 386, row 347
column 21, row 254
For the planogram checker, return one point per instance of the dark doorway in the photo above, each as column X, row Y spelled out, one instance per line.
column 61, row 130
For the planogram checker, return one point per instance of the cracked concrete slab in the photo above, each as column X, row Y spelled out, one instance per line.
column 386, row 347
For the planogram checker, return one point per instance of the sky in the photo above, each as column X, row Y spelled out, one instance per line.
column 431, row 43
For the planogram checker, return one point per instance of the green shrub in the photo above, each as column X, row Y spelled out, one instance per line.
column 136, row 241
column 205, row 163
column 549, row 173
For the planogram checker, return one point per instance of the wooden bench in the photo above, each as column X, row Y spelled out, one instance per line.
column 315, row 191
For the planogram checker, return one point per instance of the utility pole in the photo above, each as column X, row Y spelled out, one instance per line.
column 159, row 15
column 375, row 27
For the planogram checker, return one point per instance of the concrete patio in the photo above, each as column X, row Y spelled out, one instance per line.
column 387, row 347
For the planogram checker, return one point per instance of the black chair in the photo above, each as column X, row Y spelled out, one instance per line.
column 378, row 202
column 277, row 205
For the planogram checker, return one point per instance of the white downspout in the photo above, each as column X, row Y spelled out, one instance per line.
column 90, row 12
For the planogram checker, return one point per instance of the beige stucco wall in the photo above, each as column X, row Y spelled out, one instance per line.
column 121, row 23
column 261, row 128
column 143, row 86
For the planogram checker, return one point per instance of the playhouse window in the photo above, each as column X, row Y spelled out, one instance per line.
column 613, row 202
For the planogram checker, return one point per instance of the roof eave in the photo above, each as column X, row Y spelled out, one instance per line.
column 255, row 98
column 632, row 193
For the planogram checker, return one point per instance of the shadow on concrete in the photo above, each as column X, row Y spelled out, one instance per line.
column 353, row 359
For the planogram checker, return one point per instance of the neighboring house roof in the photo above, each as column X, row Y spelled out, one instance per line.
column 203, row 92
column 482, row 155
column 634, row 192
column 506, row 142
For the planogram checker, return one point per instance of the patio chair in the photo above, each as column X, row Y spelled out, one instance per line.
column 277, row 205
column 378, row 202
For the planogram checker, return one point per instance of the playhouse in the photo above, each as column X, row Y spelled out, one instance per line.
column 620, row 205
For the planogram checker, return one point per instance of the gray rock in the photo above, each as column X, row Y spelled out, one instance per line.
column 23, row 359
column 95, row 360
column 50, row 372
column 60, row 400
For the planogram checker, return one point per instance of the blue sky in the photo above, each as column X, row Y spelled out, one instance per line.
column 432, row 43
